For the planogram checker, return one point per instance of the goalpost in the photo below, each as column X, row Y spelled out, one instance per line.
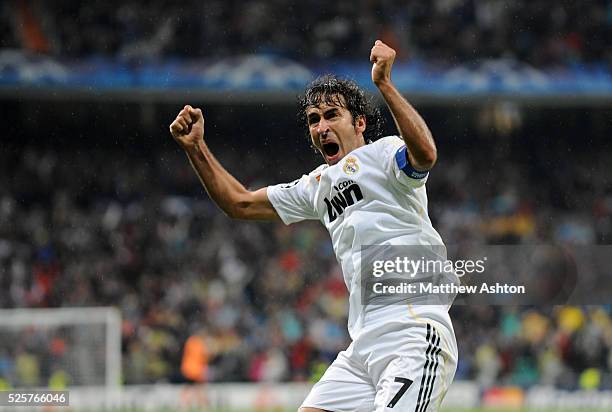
column 78, row 346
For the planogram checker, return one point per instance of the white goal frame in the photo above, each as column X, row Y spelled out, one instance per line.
column 54, row 317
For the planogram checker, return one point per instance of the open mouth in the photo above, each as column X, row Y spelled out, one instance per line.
column 331, row 149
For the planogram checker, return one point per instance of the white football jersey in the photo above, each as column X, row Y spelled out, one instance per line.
column 371, row 197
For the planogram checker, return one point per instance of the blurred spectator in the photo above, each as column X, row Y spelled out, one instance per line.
column 194, row 365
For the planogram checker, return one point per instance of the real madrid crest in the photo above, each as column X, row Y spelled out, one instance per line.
column 350, row 166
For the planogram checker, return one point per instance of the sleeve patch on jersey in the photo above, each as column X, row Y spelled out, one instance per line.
column 401, row 157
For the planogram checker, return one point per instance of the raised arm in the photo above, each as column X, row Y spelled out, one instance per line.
column 422, row 152
column 227, row 192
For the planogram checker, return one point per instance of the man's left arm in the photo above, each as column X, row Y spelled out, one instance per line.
column 422, row 152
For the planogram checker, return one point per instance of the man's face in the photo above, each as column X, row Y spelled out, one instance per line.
column 332, row 130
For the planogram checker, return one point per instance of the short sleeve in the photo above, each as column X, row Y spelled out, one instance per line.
column 294, row 201
column 394, row 152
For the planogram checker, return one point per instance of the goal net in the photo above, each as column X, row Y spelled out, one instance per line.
column 58, row 348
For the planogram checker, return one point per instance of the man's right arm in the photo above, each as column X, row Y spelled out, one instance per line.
column 227, row 192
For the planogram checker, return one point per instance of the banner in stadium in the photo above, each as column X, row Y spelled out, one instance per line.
column 263, row 73
column 462, row 395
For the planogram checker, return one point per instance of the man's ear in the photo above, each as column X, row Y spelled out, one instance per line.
column 360, row 124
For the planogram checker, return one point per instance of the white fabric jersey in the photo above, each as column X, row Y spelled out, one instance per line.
column 371, row 197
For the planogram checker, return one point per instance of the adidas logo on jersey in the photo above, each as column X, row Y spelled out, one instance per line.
column 348, row 194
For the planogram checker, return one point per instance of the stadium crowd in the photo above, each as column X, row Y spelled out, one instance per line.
column 538, row 32
column 267, row 302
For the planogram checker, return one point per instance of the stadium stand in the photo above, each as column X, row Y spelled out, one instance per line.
column 542, row 33
column 100, row 208
column 126, row 224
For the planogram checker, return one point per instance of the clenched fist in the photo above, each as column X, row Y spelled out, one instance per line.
column 382, row 57
column 188, row 127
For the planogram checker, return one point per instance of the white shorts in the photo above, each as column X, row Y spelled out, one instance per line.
column 399, row 368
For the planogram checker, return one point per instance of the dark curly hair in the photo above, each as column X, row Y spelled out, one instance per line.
column 328, row 89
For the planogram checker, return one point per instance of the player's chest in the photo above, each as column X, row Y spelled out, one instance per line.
column 346, row 188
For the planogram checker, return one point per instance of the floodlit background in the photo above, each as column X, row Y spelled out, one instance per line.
column 100, row 208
